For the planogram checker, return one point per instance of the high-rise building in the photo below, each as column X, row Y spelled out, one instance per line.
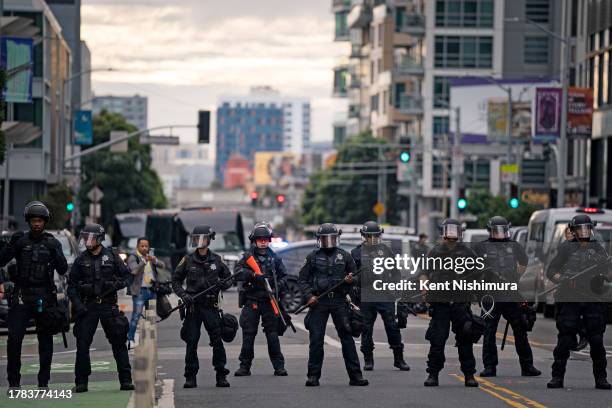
column 132, row 108
column 263, row 120
column 403, row 57
column 35, row 127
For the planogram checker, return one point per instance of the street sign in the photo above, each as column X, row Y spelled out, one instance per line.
column 95, row 195
column 159, row 140
column 378, row 208
column 121, row 147
column 95, row 210
column 83, row 127
column 509, row 172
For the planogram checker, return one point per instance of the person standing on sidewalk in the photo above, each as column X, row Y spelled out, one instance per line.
column 143, row 267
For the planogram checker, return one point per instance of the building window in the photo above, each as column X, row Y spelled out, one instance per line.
column 536, row 50
column 464, row 13
column 537, row 10
column 440, row 125
column 374, row 103
column 437, row 176
column 380, row 35
column 341, row 25
column 477, row 173
column 463, row 52
column 441, row 92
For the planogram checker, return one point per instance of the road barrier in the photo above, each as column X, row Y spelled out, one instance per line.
column 145, row 361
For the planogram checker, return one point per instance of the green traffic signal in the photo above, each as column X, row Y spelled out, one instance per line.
column 462, row 203
column 404, row 157
column 514, row 202
column 70, row 206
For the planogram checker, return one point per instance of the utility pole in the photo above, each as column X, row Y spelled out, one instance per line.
column 455, row 159
column 381, row 187
column 509, row 134
column 565, row 65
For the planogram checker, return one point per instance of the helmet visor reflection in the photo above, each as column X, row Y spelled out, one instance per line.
column 372, row 239
column 199, row 241
column 451, row 231
column 583, row 231
column 500, row 232
column 88, row 239
column 328, row 241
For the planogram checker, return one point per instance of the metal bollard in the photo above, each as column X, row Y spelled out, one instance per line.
column 151, row 316
column 143, row 395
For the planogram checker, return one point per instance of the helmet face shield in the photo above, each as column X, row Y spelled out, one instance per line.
column 372, row 239
column 197, row 241
column 329, row 241
column 88, row 239
column 500, row 232
column 451, row 231
column 583, row 231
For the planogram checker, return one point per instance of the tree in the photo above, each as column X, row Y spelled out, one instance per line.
column 349, row 199
column 126, row 179
column 2, row 107
column 485, row 205
column 56, row 199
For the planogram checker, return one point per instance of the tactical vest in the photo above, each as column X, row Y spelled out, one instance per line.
column 501, row 262
column 201, row 274
column 34, row 264
column 580, row 259
column 327, row 270
column 96, row 271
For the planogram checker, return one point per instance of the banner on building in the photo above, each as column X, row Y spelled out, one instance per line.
column 497, row 118
column 83, row 128
column 17, row 59
column 521, row 120
column 278, row 169
column 579, row 112
column 548, row 112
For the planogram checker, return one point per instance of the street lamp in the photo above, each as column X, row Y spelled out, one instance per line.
column 565, row 68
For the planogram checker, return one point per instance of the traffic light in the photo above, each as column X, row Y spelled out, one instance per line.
column 514, row 200
column 70, row 206
column 254, row 198
column 462, row 202
column 280, row 199
column 404, row 156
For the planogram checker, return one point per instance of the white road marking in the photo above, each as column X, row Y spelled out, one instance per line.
column 167, row 397
column 332, row 342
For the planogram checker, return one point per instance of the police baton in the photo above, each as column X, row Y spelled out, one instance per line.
column 197, row 295
column 505, row 335
column 570, row 279
column 325, row 293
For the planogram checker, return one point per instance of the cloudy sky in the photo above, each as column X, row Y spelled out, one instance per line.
column 183, row 54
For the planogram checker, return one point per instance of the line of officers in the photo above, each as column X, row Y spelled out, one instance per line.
column 328, row 279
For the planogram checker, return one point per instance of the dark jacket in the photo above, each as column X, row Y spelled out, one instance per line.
column 136, row 267
column 324, row 269
column 272, row 268
column 199, row 273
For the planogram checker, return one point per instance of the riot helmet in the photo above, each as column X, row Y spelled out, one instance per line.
column 451, row 230
column 582, row 227
column 371, row 232
column 200, row 237
column 328, row 236
column 499, row 228
column 91, row 236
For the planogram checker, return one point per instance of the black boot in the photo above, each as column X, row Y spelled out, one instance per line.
column 126, row 386
column 80, row 388
column 190, row 383
column 602, row 384
column 280, row 372
column 359, row 382
column 489, row 372
column 242, row 372
column 398, row 360
column 222, row 379
column 555, row 382
column 470, row 381
column 312, row 381
column 530, row 371
column 431, row 381
column 368, row 361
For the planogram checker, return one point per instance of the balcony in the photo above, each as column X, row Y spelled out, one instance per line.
column 408, row 65
column 411, row 23
column 360, row 15
column 341, row 76
column 410, row 105
column 354, row 110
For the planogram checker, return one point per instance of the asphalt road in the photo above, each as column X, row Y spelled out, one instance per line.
column 388, row 386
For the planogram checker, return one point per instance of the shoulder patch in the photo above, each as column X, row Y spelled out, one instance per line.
column 181, row 262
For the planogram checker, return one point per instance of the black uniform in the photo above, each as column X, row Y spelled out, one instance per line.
column 501, row 259
column 35, row 293
column 323, row 269
column 255, row 303
column 199, row 273
column 370, row 310
column 92, row 287
column 572, row 258
column 445, row 314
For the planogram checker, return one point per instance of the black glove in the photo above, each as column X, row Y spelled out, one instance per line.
column 260, row 280
column 187, row 299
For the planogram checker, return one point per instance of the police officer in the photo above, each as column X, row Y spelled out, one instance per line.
column 201, row 270
column 255, row 299
column 505, row 261
column 96, row 276
column 564, row 269
column 444, row 312
column 325, row 267
column 37, row 254
column 371, row 247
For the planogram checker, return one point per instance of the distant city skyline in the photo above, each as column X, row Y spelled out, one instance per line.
column 200, row 50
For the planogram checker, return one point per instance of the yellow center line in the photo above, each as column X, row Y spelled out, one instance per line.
column 507, row 395
column 510, row 338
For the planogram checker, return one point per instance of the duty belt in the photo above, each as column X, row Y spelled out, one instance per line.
column 99, row 300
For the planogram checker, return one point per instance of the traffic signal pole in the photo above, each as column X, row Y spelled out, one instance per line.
column 455, row 171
